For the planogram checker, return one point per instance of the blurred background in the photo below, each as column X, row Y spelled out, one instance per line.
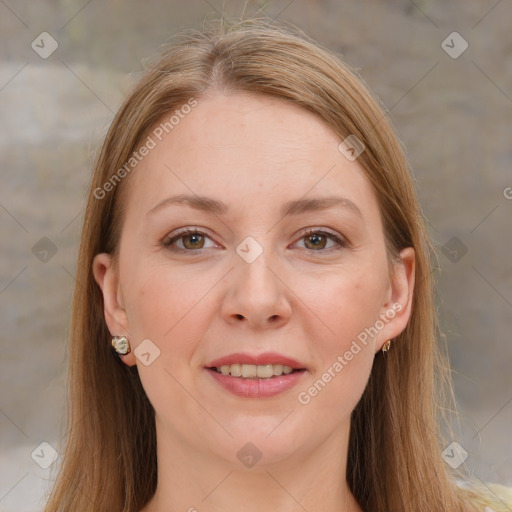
column 443, row 70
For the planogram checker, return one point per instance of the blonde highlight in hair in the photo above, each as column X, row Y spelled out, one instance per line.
column 394, row 461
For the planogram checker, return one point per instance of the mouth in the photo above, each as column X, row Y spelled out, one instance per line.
column 256, row 375
column 261, row 381
column 255, row 372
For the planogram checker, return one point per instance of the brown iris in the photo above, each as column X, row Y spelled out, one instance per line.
column 315, row 239
column 197, row 241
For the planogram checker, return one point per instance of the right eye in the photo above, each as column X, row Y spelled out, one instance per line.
column 191, row 240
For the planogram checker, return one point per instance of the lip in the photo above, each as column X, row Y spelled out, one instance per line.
column 257, row 359
column 257, row 388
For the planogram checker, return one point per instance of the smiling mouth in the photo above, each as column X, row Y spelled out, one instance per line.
column 252, row 371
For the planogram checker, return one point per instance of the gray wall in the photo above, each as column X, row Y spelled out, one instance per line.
column 453, row 114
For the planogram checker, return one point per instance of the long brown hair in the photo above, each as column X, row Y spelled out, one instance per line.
column 394, row 461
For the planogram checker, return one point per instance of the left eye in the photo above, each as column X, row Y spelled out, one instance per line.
column 317, row 240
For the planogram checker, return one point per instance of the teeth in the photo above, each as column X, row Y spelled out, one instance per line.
column 278, row 369
column 264, row 372
column 235, row 370
column 251, row 371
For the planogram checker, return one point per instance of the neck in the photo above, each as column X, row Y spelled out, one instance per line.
column 194, row 480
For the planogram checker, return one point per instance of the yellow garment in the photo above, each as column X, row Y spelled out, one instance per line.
column 498, row 498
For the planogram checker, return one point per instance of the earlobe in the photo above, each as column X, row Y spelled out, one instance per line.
column 106, row 275
column 398, row 309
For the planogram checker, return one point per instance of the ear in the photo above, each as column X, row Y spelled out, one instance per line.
column 106, row 275
column 396, row 311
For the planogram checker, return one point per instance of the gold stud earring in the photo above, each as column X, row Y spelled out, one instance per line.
column 121, row 345
column 386, row 346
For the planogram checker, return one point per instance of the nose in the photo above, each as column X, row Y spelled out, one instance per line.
column 257, row 295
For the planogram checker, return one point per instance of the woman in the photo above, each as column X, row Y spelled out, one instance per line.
column 254, row 251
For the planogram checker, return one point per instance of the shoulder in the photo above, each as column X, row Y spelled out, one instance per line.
column 488, row 497
column 493, row 497
column 500, row 495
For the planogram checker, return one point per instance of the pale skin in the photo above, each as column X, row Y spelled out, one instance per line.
column 306, row 299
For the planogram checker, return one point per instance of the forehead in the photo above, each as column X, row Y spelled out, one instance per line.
column 241, row 114
column 238, row 146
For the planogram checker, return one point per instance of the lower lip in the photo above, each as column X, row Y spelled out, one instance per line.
column 257, row 388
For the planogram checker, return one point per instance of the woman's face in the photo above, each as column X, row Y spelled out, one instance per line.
column 249, row 279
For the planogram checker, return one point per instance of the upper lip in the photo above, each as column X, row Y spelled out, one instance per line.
column 257, row 359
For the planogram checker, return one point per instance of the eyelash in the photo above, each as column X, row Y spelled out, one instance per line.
column 167, row 243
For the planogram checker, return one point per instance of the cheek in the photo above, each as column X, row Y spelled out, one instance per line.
column 333, row 393
column 347, row 302
column 167, row 306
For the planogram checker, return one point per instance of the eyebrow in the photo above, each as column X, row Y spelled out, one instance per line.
column 296, row 207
